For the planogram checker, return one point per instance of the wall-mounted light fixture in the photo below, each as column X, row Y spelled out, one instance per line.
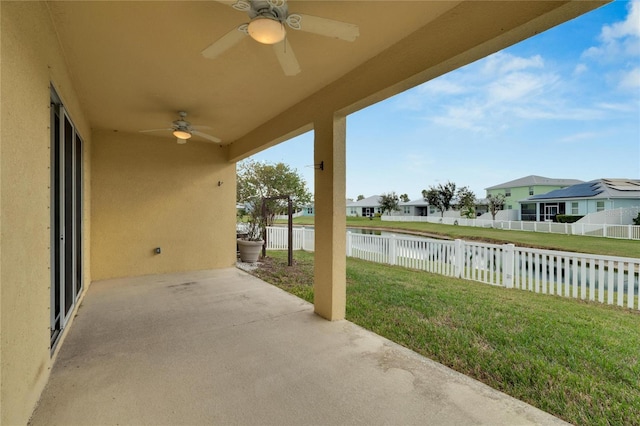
column 319, row 166
column 220, row 183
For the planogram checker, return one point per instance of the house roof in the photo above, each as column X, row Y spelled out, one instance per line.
column 533, row 180
column 416, row 202
column 597, row 189
column 372, row 201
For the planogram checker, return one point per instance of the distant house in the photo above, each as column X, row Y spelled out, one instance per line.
column 516, row 190
column 482, row 206
column 417, row 207
column 308, row 210
column 366, row 207
column 583, row 198
column 421, row 207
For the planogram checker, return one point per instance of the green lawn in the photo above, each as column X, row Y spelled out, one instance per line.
column 576, row 360
column 575, row 243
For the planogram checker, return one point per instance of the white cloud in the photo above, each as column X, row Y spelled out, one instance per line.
column 458, row 121
column 629, row 27
column 580, row 69
column 618, row 40
column 558, row 111
column 630, row 80
column 593, row 52
column 503, row 63
column 497, row 103
column 415, row 100
column 631, row 106
column 519, row 86
column 504, row 90
column 576, row 137
column 492, row 99
column 408, row 101
column 468, row 115
column 464, row 98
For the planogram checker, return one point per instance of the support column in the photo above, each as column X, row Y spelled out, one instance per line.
column 330, row 217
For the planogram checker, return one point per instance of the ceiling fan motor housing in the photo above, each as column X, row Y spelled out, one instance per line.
column 183, row 130
column 275, row 10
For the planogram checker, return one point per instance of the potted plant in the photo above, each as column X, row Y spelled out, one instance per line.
column 251, row 244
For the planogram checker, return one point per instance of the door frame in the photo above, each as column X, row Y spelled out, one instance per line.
column 550, row 208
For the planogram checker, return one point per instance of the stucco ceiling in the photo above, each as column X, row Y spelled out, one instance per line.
column 135, row 64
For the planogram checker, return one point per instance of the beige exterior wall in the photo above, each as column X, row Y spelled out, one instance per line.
column 161, row 194
column 150, row 192
column 30, row 60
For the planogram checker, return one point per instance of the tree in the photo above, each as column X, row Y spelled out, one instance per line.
column 440, row 196
column 360, row 197
column 495, row 204
column 404, row 198
column 389, row 202
column 466, row 202
column 447, row 192
column 257, row 180
column 432, row 197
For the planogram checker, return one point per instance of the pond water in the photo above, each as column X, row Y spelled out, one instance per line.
column 378, row 232
column 389, row 233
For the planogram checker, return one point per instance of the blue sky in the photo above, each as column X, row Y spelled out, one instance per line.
column 563, row 104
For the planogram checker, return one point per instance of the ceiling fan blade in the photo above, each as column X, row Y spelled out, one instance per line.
column 328, row 27
column 155, row 130
column 206, row 136
column 226, row 2
column 287, row 58
column 224, row 43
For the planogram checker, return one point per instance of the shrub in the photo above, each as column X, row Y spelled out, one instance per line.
column 566, row 218
column 636, row 221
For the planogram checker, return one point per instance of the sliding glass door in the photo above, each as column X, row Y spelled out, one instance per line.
column 66, row 217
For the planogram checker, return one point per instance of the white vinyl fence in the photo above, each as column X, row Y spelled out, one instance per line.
column 607, row 279
column 629, row 232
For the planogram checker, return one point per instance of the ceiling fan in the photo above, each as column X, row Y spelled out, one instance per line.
column 183, row 130
column 267, row 26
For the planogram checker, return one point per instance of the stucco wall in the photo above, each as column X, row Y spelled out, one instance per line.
column 151, row 192
column 586, row 207
column 616, row 216
column 31, row 59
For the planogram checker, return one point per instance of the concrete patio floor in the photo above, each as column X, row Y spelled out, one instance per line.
column 223, row 347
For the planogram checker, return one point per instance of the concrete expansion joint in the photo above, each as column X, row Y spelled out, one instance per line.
column 270, row 318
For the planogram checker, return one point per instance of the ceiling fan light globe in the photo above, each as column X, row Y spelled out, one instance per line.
column 181, row 134
column 266, row 30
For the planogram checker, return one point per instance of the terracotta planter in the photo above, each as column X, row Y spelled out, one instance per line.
column 249, row 250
